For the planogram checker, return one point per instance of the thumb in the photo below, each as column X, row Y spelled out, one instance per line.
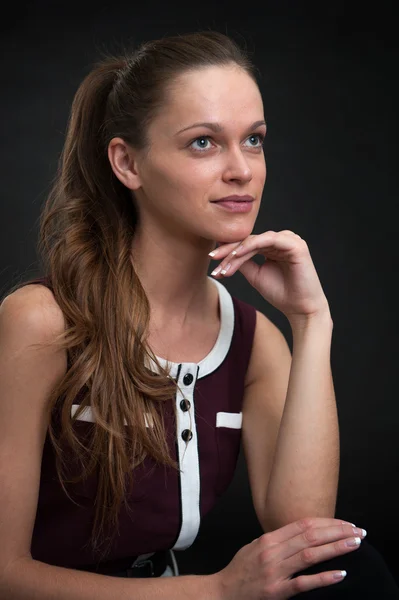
column 250, row 270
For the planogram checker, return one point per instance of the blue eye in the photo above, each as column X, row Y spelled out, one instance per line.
column 261, row 139
column 206, row 137
column 203, row 137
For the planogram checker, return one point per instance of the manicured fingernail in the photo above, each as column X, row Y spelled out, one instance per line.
column 212, row 253
column 359, row 531
column 227, row 267
column 216, row 271
column 339, row 575
column 353, row 541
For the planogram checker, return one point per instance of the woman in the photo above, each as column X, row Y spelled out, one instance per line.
column 137, row 373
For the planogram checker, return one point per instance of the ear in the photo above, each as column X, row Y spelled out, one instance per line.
column 124, row 163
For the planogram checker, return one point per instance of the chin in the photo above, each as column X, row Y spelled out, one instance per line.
column 236, row 236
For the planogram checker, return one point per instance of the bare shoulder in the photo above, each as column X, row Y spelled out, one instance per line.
column 269, row 349
column 30, row 321
column 32, row 311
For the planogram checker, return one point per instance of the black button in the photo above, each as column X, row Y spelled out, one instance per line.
column 185, row 404
column 187, row 434
column 187, row 379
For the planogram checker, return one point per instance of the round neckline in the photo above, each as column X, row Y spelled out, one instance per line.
column 221, row 347
column 163, row 360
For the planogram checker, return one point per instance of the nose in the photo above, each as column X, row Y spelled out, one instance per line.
column 237, row 167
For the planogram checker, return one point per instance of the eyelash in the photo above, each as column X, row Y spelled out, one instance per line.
column 205, row 137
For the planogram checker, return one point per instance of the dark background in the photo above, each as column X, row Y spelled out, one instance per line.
column 329, row 84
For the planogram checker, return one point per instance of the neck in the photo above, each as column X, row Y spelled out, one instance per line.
column 174, row 275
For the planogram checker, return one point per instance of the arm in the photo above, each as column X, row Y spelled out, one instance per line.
column 27, row 375
column 33, row 580
column 306, row 464
column 293, row 462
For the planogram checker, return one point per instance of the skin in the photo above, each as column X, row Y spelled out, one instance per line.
column 175, row 181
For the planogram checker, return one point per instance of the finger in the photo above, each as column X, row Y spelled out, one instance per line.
column 251, row 271
column 230, row 265
column 282, row 240
column 224, row 250
column 313, row 555
column 319, row 536
column 234, row 255
column 304, row 583
column 297, row 527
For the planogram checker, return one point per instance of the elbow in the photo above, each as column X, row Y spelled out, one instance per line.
column 7, row 572
column 275, row 519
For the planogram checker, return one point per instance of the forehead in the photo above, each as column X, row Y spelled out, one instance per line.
column 212, row 93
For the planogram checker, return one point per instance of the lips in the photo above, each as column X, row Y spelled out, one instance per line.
column 236, row 198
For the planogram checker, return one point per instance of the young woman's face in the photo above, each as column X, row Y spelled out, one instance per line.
column 185, row 171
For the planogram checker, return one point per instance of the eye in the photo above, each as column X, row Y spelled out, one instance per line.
column 260, row 137
column 203, row 147
column 202, row 137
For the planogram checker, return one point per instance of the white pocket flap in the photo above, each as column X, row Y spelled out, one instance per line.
column 87, row 415
column 228, row 419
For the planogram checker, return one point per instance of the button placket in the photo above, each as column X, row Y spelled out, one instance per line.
column 185, row 405
column 187, row 450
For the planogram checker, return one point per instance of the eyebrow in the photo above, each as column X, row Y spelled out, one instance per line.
column 217, row 127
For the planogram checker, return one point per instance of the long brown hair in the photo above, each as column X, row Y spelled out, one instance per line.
column 86, row 229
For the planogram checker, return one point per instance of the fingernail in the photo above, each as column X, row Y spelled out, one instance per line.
column 339, row 575
column 353, row 541
column 216, row 271
column 227, row 267
column 212, row 253
column 361, row 532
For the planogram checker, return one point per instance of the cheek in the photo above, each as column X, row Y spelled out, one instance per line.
column 198, row 176
column 184, row 179
column 161, row 182
column 172, row 191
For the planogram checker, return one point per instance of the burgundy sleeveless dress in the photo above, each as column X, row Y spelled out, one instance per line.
column 166, row 506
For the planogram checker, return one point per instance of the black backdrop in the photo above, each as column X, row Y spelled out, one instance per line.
column 329, row 84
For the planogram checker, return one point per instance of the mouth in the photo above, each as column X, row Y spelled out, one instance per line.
column 235, row 198
column 236, row 206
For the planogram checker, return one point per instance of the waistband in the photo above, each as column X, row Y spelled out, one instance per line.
column 146, row 565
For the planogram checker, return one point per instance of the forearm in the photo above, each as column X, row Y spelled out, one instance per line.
column 29, row 579
column 304, row 476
